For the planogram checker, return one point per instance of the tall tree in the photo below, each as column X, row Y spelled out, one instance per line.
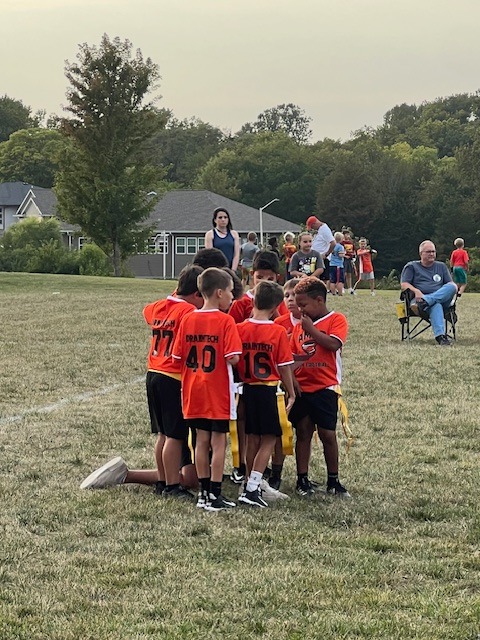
column 289, row 118
column 32, row 155
column 14, row 115
column 104, row 184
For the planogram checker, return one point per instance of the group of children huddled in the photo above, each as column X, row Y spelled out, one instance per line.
column 218, row 355
column 344, row 261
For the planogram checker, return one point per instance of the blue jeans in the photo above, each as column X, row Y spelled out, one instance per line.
column 438, row 302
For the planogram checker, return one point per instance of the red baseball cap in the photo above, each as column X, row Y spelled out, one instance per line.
column 311, row 221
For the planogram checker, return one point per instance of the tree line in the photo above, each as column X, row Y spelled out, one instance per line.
column 415, row 176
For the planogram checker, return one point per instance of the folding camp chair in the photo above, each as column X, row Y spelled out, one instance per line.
column 414, row 324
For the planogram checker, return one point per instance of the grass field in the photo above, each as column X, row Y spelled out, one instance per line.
column 401, row 560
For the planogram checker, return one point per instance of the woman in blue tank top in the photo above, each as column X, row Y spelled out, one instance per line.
column 223, row 237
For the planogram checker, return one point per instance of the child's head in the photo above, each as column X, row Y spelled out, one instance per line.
column 459, row 243
column 362, row 243
column 252, row 237
column 266, row 266
column 210, row 258
column 338, row 236
column 347, row 233
column 311, row 296
column 289, row 295
column 273, row 241
column 237, row 283
column 187, row 286
column 216, row 285
column 268, row 295
column 305, row 242
column 288, row 237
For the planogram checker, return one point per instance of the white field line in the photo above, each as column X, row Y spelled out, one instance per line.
column 82, row 397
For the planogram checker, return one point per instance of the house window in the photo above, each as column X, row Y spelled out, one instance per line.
column 82, row 241
column 189, row 246
column 158, row 243
column 180, row 246
column 1, row 217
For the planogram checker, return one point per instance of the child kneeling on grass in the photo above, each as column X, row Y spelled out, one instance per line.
column 207, row 346
column 321, row 336
column 266, row 359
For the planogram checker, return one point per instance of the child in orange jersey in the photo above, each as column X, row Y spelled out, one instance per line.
column 365, row 266
column 207, row 346
column 164, row 400
column 265, row 360
column 320, row 335
column 459, row 265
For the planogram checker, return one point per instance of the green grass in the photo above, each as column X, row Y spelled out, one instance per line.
column 400, row 561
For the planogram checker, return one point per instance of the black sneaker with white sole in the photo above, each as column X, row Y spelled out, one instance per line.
column 338, row 490
column 305, row 488
column 218, row 504
column 237, row 477
column 179, row 493
column 253, row 498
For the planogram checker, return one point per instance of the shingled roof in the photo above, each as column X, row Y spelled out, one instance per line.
column 191, row 211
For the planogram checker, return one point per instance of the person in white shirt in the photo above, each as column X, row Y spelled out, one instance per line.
column 323, row 242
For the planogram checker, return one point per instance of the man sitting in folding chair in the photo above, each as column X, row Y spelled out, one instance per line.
column 429, row 284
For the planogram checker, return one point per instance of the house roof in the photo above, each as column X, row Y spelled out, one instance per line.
column 44, row 199
column 190, row 210
column 12, row 194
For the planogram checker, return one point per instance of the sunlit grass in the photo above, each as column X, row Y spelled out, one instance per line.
column 400, row 561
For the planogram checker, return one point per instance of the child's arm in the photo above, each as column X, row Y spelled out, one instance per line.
column 233, row 360
column 327, row 342
column 287, row 380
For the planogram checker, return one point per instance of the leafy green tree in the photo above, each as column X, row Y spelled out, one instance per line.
column 289, row 118
column 32, row 155
column 183, row 148
column 259, row 167
column 14, row 115
column 104, row 184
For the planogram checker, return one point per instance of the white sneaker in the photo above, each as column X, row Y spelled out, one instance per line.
column 373, row 293
column 113, row 472
column 270, row 494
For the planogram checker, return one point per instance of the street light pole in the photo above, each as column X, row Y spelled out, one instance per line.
column 261, row 218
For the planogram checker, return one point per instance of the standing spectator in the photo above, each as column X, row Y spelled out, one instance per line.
column 459, row 265
column 337, row 274
column 323, row 243
column 365, row 266
column 349, row 258
column 273, row 245
column 223, row 237
column 289, row 249
column 248, row 251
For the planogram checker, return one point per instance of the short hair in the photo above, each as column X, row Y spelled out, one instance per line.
column 188, row 280
column 312, row 287
column 459, row 242
column 266, row 260
column 288, row 234
column 272, row 240
column 303, row 234
column 216, row 212
column 268, row 295
column 210, row 258
column 422, row 244
column 212, row 279
column 338, row 236
column 291, row 284
column 237, row 283
column 252, row 236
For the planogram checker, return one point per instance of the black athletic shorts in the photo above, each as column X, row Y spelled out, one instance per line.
column 205, row 424
column 326, row 271
column 320, row 406
column 165, row 406
column 261, row 410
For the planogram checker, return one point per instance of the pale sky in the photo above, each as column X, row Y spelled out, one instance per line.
column 345, row 62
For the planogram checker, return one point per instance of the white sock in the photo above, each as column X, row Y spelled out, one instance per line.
column 254, row 480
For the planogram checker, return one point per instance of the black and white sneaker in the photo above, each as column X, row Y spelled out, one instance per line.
column 305, row 488
column 179, row 493
column 253, row 498
column 218, row 504
column 202, row 499
column 337, row 490
column 237, row 477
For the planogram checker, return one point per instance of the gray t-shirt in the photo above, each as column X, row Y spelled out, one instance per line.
column 427, row 279
column 306, row 263
column 249, row 249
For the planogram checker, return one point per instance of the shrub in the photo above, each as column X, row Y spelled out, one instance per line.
column 92, row 261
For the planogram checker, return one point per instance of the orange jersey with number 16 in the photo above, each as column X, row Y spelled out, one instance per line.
column 265, row 347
